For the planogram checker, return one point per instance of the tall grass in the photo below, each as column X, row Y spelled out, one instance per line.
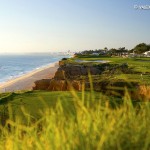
column 90, row 124
column 144, row 91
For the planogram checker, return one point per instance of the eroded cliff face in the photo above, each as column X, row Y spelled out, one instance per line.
column 42, row 84
column 72, row 76
column 57, row 85
column 66, row 78
column 71, row 71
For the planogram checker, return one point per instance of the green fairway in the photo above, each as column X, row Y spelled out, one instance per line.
column 141, row 67
column 139, row 64
column 34, row 103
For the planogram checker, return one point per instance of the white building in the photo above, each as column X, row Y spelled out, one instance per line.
column 95, row 54
column 147, row 54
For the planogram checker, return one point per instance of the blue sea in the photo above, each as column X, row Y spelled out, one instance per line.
column 12, row 66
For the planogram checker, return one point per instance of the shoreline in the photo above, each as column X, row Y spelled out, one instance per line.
column 26, row 81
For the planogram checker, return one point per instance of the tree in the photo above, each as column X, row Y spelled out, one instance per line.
column 106, row 49
column 131, row 51
column 113, row 51
column 122, row 50
column 141, row 48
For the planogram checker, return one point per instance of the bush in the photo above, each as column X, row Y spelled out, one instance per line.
column 64, row 58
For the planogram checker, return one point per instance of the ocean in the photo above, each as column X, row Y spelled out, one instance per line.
column 13, row 66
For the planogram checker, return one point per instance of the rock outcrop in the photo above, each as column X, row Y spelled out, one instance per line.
column 69, row 76
column 60, row 74
column 57, row 85
column 71, row 71
column 42, row 84
column 63, row 85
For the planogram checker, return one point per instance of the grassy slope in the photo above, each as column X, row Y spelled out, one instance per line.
column 75, row 122
column 37, row 101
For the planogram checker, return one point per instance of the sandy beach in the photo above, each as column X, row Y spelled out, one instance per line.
column 26, row 82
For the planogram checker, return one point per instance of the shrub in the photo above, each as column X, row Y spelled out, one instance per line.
column 64, row 58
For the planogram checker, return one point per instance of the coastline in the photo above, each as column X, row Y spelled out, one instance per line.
column 26, row 81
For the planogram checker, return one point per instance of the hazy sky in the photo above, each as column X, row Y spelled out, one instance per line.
column 59, row 25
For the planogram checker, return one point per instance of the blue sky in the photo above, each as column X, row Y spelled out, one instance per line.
column 59, row 25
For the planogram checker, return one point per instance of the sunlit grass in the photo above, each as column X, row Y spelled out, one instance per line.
column 76, row 121
column 138, row 64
